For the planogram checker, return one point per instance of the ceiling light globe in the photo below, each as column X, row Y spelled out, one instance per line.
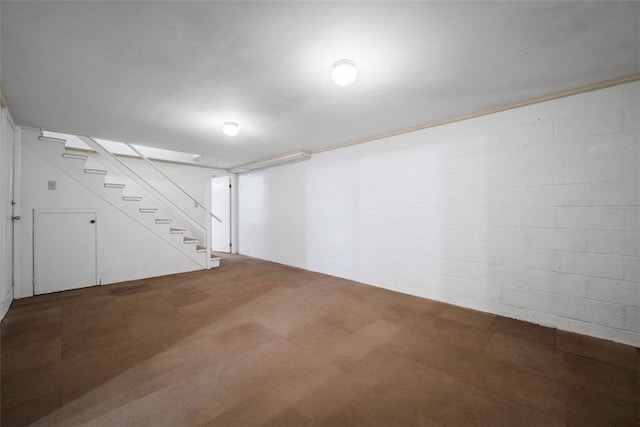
column 230, row 128
column 344, row 72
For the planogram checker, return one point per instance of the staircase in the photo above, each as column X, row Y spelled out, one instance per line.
column 123, row 194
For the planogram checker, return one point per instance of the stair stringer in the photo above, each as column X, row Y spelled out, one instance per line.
column 51, row 152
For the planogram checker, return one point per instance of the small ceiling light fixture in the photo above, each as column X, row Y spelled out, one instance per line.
column 230, row 128
column 344, row 72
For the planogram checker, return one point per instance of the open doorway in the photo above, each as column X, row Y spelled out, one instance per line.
column 221, row 209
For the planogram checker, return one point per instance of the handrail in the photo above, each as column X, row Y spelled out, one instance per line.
column 146, row 159
column 128, row 171
column 163, row 174
column 216, row 218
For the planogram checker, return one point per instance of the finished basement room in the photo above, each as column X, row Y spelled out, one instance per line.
column 296, row 213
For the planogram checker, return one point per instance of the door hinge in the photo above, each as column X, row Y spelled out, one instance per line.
column 13, row 203
column 229, row 185
column 229, row 244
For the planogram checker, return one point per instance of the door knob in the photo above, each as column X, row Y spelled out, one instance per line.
column 93, row 221
column 16, row 218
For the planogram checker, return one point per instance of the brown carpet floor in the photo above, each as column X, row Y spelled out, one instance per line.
column 257, row 343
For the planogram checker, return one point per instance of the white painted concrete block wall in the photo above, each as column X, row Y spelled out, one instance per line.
column 530, row 213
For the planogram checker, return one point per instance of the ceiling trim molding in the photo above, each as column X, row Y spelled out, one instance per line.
column 537, row 100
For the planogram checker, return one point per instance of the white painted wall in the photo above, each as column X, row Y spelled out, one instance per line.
column 5, row 258
column 127, row 250
column 221, row 208
column 532, row 213
column 8, row 133
column 0, row 49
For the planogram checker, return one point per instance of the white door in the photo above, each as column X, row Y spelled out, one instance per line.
column 64, row 251
column 6, row 203
column 221, row 208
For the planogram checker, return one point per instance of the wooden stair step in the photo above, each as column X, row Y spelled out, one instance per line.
column 95, row 171
column 75, row 156
column 113, row 185
column 131, row 198
column 177, row 230
column 201, row 248
column 148, row 210
column 189, row 240
column 50, row 139
column 163, row 221
column 214, row 261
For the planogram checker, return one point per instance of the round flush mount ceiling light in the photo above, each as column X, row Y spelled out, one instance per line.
column 344, row 72
column 230, row 128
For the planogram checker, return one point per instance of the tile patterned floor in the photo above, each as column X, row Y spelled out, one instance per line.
column 257, row 343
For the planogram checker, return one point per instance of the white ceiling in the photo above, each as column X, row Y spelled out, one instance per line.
column 167, row 74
